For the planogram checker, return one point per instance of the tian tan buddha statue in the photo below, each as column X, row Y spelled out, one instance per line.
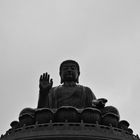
column 69, row 103
column 69, row 93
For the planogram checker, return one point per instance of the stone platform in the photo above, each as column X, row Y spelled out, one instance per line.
column 68, row 131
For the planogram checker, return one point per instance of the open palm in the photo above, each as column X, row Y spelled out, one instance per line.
column 45, row 82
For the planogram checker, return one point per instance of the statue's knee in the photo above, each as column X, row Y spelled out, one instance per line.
column 26, row 116
column 110, row 109
column 110, row 116
column 27, row 110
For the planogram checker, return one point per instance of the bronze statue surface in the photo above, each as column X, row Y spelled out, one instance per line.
column 70, row 93
column 69, row 106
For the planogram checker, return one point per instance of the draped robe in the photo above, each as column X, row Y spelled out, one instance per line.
column 77, row 96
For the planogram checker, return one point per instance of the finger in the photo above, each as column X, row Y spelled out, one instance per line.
column 41, row 78
column 44, row 75
column 51, row 81
column 96, row 101
column 103, row 100
column 48, row 78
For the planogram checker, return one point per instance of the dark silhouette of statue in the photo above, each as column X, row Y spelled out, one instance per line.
column 69, row 93
column 69, row 106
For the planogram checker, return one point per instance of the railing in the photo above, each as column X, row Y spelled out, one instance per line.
column 104, row 130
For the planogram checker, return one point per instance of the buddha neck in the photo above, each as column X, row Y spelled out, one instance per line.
column 69, row 84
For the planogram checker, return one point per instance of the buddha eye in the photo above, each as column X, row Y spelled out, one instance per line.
column 69, row 67
column 73, row 68
column 65, row 68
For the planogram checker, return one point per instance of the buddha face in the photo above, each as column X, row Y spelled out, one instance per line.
column 69, row 72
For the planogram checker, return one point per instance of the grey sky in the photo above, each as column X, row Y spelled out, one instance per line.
column 102, row 35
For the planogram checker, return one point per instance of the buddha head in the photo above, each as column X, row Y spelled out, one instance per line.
column 69, row 71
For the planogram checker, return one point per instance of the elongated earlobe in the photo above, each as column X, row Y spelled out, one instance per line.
column 61, row 81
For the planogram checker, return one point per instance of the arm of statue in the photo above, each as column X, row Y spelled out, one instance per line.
column 45, row 84
column 90, row 96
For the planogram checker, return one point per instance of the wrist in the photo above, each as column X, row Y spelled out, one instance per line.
column 44, row 90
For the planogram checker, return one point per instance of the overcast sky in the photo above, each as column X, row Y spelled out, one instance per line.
column 102, row 35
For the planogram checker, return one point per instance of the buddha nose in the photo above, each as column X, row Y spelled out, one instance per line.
column 69, row 69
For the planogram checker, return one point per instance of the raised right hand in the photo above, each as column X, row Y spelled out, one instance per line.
column 45, row 82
